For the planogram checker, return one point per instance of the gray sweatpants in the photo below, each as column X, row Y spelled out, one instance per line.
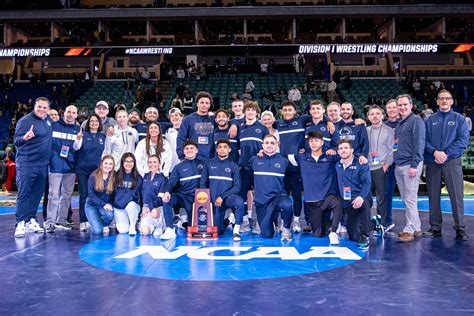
column 408, row 188
column 61, row 186
column 451, row 173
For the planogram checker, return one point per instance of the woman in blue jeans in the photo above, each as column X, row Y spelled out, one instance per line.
column 99, row 210
column 87, row 160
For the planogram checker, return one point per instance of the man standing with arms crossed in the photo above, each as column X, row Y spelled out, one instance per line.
column 33, row 142
column 447, row 136
column 408, row 149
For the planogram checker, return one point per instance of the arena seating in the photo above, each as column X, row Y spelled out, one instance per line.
column 468, row 157
column 223, row 87
column 110, row 91
column 363, row 88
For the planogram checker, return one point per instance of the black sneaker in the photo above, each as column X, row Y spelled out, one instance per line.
column 461, row 235
column 62, row 226
column 307, row 229
column 379, row 230
column 49, row 227
column 431, row 233
column 236, row 237
column 364, row 242
column 70, row 222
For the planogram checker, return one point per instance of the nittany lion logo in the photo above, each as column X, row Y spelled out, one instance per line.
column 345, row 131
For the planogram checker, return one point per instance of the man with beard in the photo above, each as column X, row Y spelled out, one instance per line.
column 222, row 132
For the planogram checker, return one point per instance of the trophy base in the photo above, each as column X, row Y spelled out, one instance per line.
column 195, row 233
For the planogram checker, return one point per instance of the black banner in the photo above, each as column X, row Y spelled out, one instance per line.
column 398, row 48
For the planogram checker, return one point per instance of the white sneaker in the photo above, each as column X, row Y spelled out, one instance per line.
column 341, row 229
column 286, row 234
column 106, row 230
column 83, row 226
column 296, row 226
column 256, row 229
column 168, row 234
column 132, row 231
column 20, row 231
column 157, row 232
column 333, row 238
column 34, row 227
column 245, row 227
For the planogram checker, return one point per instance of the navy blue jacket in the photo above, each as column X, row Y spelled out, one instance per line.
column 357, row 134
column 64, row 136
column 410, row 135
column 153, row 189
column 36, row 151
column 269, row 172
column 89, row 155
column 141, row 129
column 392, row 124
column 188, row 174
column 355, row 176
column 98, row 199
column 124, row 193
column 322, row 128
column 237, row 122
column 199, row 128
column 251, row 140
column 234, row 142
column 448, row 132
column 319, row 177
column 222, row 177
column 291, row 134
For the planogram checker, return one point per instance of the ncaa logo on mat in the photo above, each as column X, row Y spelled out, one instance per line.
column 221, row 260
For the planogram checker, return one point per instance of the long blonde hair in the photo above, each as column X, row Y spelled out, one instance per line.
column 99, row 181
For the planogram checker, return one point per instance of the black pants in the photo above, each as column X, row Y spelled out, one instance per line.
column 319, row 213
column 378, row 185
column 294, row 186
column 451, row 172
column 358, row 220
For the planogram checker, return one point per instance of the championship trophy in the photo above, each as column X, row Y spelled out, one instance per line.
column 202, row 224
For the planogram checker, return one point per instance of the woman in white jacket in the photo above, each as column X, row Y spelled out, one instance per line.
column 153, row 144
column 122, row 140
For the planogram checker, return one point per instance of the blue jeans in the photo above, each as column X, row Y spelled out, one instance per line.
column 98, row 217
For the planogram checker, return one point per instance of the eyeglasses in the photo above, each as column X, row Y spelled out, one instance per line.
column 445, row 98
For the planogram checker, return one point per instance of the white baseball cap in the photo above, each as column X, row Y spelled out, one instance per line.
column 102, row 103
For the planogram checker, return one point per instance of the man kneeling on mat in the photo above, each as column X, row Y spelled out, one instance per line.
column 221, row 175
column 270, row 193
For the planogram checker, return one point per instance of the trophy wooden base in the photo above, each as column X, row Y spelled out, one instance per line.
column 196, row 234
column 202, row 224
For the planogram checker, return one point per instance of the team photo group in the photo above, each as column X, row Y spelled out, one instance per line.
column 316, row 173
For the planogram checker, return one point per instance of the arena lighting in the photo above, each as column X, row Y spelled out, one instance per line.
column 281, row 49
